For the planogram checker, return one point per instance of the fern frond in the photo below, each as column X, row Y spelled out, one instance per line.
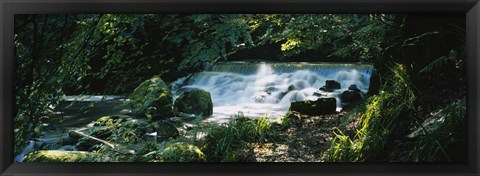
column 439, row 62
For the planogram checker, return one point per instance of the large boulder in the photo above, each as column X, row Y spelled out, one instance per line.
column 330, row 86
column 59, row 156
column 182, row 152
column 197, row 102
column 152, row 99
column 317, row 107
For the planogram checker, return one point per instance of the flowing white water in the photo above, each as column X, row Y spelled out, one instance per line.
column 266, row 89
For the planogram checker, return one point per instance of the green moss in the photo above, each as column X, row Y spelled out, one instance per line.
column 197, row 102
column 152, row 99
column 59, row 156
column 182, row 152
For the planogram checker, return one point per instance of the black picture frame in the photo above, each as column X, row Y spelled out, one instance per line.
column 8, row 8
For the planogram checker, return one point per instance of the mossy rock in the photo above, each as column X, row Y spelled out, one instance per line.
column 165, row 131
column 152, row 99
column 182, row 152
column 197, row 102
column 317, row 107
column 59, row 156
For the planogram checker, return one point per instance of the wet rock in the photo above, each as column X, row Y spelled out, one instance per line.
column 74, row 136
column 291, row 87
column 165, row 131
column 188, row 126
column 197, row 102
column 87, row 144
column 261, row 97
column 353, row 87
column 330, row 86
column 152, row 99
column 317, row 107
column 350, row 96
column 270, row 89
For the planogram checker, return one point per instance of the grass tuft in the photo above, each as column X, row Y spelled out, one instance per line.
column 378, row 121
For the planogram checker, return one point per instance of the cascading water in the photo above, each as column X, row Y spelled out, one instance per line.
column 266, row 89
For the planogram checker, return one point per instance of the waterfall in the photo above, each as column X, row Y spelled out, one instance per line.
column 266, row 89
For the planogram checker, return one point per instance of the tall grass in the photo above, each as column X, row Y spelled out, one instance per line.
column 229, row 142
column 444, row 141
column 377, row 122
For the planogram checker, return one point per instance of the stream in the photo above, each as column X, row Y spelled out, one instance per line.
column 266, row 89
column 254, row 89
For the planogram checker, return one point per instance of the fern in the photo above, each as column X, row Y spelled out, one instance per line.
column 439, row 62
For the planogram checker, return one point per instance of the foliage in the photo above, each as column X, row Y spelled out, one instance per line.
column 441, row 61
column 455, row 56
column 446, row 141
column 39, row 42
column 378, row 121
column 182, row 152
column 214, row 38
column 358, row 36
